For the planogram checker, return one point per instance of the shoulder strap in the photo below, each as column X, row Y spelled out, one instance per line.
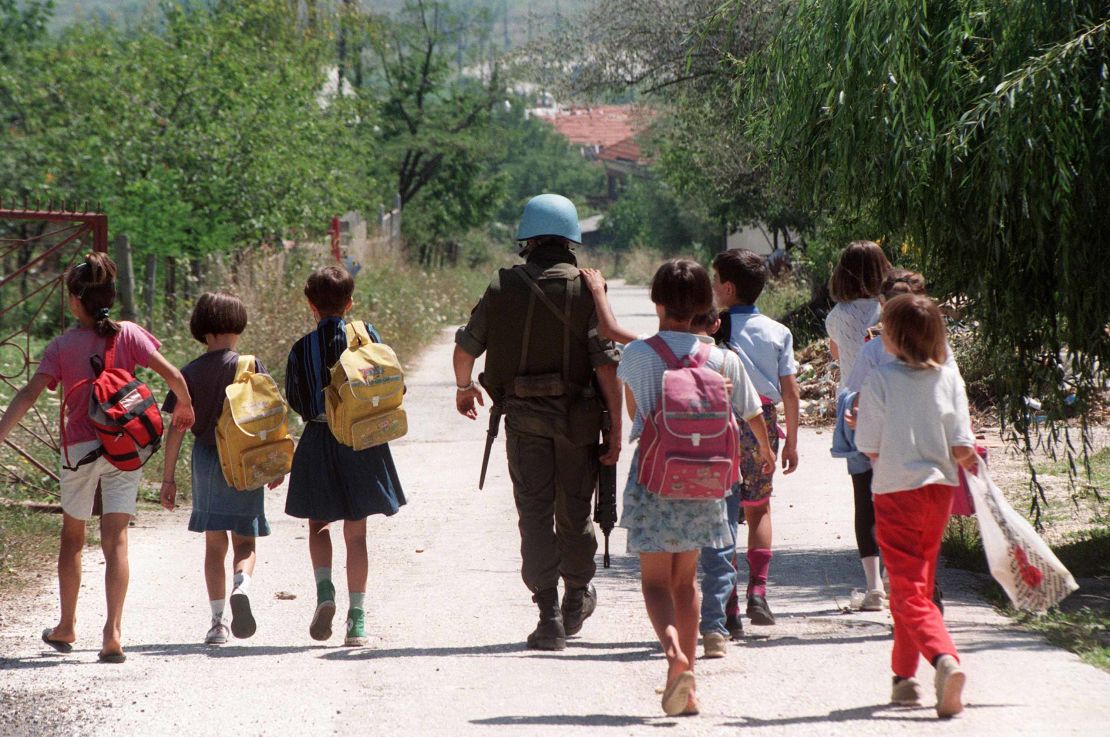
column 245, row 364
column 673, row 362
column 664, row 351
column 542, row 296
column 110, row 352
column 357, row 334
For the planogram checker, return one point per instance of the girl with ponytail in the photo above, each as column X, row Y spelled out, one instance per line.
column 67, row 360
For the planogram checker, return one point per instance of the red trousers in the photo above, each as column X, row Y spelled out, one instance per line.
column 909, row 526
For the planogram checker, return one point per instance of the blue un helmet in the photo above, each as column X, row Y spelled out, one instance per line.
column 549, row 214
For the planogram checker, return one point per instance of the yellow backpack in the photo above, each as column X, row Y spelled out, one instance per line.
column 251, row 435
column 363, row 400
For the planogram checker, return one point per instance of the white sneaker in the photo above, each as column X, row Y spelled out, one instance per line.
column 873, row 601
column 217, row 633
column 906, row 692
column 949, row 682
column 715, row 645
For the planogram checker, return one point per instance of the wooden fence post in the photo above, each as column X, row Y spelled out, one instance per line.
column 125, row 275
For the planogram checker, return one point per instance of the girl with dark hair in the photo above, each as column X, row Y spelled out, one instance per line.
column 66, row 360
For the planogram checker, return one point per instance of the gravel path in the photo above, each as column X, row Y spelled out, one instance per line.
column 448, row 615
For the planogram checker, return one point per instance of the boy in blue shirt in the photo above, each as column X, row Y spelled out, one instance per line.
column 766, row 349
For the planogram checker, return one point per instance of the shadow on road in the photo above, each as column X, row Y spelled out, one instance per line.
column 881, row 712
column 576, row 650
column 576, row 720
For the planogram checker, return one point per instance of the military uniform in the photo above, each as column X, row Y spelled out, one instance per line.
column 541, row 352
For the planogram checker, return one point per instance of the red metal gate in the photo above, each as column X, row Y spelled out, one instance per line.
column 37, row 245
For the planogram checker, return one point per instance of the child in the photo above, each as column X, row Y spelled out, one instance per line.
column 218, row 509
column 766, row 349
column 92, row 291
column 855, row 285
column 668, row 534
column 914, row 426
column 871, row 354
column 330, row 481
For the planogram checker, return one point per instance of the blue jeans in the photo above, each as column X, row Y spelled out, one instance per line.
column 718, row 573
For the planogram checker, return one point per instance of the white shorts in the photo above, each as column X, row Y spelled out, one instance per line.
column 118, row 489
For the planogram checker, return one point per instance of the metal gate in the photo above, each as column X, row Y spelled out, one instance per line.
column 37, row 245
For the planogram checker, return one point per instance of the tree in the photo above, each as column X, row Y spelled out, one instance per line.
column 975, row 138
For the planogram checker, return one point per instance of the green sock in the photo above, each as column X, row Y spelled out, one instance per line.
column 357, row 598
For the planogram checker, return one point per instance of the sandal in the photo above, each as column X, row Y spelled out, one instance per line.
column 677, row 694
column 62, row 647
column 113, row 658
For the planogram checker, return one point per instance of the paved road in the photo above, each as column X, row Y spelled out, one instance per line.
column 448, row 616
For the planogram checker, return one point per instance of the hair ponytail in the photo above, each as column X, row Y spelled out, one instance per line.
column 93, row 282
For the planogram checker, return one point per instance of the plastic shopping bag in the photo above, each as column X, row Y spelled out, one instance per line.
column 962, row 503
column 1030, row 573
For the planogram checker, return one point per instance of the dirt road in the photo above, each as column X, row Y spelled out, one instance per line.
column 448, row 615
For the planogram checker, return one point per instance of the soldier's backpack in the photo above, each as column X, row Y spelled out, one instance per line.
column 688, row 449
column 363, row 400
column 252, row 438
column 123, row 412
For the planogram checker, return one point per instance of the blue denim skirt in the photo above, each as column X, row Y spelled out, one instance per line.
column 218, row 507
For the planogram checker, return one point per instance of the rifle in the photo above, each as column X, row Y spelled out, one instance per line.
column 495, row 412
column 605, row 497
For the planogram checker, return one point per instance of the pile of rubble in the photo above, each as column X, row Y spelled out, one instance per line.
column 817, row 377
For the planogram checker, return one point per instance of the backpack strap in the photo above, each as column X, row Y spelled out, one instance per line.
column 673, row 362
column 357, row 334
column 573, row 289
column 245, row 364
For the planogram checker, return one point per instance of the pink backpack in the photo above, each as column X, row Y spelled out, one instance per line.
column 689, row 447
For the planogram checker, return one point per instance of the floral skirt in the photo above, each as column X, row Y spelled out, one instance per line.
column 659, row 525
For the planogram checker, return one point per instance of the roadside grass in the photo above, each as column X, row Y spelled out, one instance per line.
column 1082, row 628
column 407, row 305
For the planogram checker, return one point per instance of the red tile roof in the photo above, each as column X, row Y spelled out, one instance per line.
column 625, row 150
column 602, row 126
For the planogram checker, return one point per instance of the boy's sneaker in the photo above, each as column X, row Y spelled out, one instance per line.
column 242, row 621
column 905, row 692
column 873, row 601
column 735, row 627
column 759, row 612
column 217, row 633
column 715, row 645
column 356, row 632
column 320, row 628
column 949, row 682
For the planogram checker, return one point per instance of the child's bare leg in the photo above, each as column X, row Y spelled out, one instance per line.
column 319, row 544
column 117, row 574
column 684, row 595
column 358, row 560
column 69, row 577
column 758, row 520
column 243, row 556
column 215, row 553
column 655, row 582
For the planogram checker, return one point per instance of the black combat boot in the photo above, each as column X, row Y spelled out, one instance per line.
column 578, row 605
column 549, row 633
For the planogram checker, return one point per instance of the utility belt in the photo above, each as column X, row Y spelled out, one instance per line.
column 544, row 405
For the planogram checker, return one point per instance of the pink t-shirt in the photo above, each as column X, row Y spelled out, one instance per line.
column 66, row 359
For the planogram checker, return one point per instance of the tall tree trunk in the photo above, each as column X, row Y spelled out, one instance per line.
column 148, row 289
column 171, row 290
column 125, row 278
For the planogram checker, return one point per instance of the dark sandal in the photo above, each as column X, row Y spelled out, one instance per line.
column 62, row 647
column 114, row 658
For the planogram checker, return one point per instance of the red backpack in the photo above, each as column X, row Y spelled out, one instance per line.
column 689, row 446
column 123, row 412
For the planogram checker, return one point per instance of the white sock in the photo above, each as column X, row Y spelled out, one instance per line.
column 242, row 581
column 871, row 568
column 217, row 606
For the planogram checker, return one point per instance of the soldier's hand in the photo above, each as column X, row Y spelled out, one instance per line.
column 465, row 401
column 595, row 282
column 614, row 452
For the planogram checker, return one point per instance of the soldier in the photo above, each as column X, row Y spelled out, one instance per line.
column 553, row 376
